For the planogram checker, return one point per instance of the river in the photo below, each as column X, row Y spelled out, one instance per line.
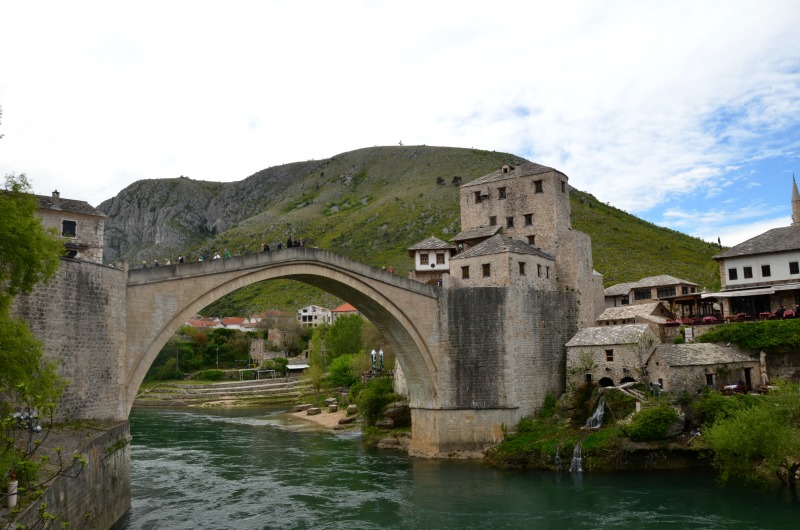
column 260, row 468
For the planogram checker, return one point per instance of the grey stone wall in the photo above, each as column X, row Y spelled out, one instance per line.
column 503, row 346
column 99, row 495
column 80, row 316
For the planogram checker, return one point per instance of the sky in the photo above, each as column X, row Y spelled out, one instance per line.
column 684, row 113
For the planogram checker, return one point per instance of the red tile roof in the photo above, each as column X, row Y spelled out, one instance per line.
column 345, row 308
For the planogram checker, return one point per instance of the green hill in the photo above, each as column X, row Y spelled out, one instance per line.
column 371, row 205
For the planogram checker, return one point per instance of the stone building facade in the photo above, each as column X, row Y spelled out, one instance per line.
column 81, row 226
column 500, row 261
column 609, row 355
column 431, row 260
column 530, row 203
column 80, row 317
column 763, row 273
column 690, row 367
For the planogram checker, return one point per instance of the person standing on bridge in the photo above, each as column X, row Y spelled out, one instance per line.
column 265, row 248
column 280, row 245
column 181, row 259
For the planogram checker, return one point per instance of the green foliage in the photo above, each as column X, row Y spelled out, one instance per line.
column 28, row 252
column 548, row 407
column 210, row 375
column 341, row 372
column 751, row 442
column 767, row 335
column 618, row 406
column 344, row 336
column 651, row 423
column 373, row 398
column 713, row 406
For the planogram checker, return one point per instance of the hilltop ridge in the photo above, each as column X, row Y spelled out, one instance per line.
column 370, row 204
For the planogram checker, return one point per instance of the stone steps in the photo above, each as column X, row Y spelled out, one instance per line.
column 172, row 394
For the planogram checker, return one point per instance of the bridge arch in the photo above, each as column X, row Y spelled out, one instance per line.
column 160, row 300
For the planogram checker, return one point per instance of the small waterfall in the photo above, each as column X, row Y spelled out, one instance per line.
column 558, row 457
column 596, row 420
column 577, row 459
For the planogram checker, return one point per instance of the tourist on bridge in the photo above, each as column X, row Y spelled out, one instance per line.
column 226, row 254
column 181, row 259
column 217, row 256
column 280, row 245
column 265, row 248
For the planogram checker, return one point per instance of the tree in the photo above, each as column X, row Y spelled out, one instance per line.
column 344, row 336
column 29, row 254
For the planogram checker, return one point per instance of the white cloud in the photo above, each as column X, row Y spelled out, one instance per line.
column 641, row 104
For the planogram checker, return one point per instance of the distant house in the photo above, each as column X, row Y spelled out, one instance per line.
column 690, row 367
column 763, row 273
column 609, row 355
column 683, row 297
column 80, row 225
column 431, row 260
column 655, row 313
column 343, row 310
column 313, row 316
column 237, row 323
column 204, row 323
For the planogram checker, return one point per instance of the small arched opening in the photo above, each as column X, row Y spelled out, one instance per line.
column 627, row 379
column 606, row 381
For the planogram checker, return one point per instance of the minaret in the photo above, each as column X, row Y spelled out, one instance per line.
column 795, row 204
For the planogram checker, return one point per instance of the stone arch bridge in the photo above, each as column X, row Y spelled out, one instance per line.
column 161, row 299
column 476, row 359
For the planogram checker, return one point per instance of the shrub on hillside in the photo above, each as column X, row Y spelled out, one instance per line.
column 210, row 375
column 651, row 424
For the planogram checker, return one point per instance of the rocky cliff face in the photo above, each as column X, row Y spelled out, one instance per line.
column 154, row 218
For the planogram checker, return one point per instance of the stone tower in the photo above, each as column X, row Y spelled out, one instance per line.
column 795, row 203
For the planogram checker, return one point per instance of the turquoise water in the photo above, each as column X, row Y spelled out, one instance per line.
column 258, row 468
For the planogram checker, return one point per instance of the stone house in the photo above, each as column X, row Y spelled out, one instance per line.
column 690, row 367
column 609, row 355
column 528, row 205
column 431, row 260
column 763, row 273
column 500, row 261
column 682, row 296
column 81, row 226
column 655, row 313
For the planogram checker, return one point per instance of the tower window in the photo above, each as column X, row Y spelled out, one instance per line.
column 528, row 219
column 538, row 186
column 501, row 193
column 487, row 270
column 478, row 198
column 532, row 240
column 522, row 268
column 539, row 270
column 492, row 220
column 69, row 228
column 563, row 187
column 465, row 272
column 509, row 222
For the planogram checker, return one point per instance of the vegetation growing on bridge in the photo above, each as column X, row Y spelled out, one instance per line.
column 29, row 385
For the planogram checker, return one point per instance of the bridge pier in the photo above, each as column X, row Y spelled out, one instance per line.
column 454, row 433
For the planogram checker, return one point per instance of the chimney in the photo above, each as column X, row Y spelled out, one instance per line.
column 56, row 199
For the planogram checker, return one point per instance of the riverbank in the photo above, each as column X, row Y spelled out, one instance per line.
column 328, row 420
